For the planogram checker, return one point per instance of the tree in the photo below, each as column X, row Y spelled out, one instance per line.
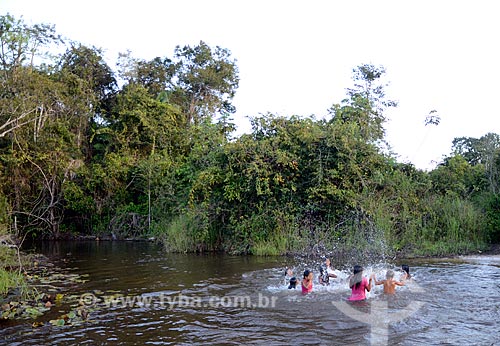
column 19, row 45
column 485, row 151
column 89, row 66
column 38, row 159
column 432, row 118
column 457, row 177
column 366, row 104
column 144, row 124
column 90, row 87
column 204, row 81
column 154, row 75
column 44, row 112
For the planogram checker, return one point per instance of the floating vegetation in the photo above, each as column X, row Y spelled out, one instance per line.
column 74, row 317
column 24, row 309
column 41, row 290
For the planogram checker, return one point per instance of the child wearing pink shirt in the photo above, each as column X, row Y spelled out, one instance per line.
column 307, row 282
column 358, row 284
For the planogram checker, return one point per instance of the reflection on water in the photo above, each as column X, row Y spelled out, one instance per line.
column 216, row 299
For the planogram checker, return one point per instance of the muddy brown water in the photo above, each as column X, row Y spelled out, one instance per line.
column 137, row 294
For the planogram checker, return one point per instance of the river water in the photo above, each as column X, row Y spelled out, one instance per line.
column 136, row 294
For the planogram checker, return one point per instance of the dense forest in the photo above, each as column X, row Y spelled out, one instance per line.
column 148, row 151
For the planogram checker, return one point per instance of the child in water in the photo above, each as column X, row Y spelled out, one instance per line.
column 293, row 283
column 325, row 273
column 406, row 271
column 359, row 284
column 290, row 279
column 307, row 282
column 389, row 282
column 288, row 275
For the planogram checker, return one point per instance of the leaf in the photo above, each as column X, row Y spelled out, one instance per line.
column 59, row 322
column 33, row 312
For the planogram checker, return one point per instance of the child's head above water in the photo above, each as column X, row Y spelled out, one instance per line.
column 357, row 269
column 389, row 275
column 293, row 283
column 406, row 269
column 307, row 272
column 357, row 277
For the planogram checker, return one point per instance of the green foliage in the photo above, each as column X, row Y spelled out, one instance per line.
column 273, row 247
column 153, row 75
column 20, row 42
column 184, row 233
column 205, row 81
column 76, row 200
column 142, row 124
column 483, row 151
column 154, row 157
column 4, row 215
column 89, row 67
column 454, row 220
column 8, row 257
column 477, row 150
column 10, row 281
column 366, row 104
column 446, row 247
column 456, row 177
column 491, row 205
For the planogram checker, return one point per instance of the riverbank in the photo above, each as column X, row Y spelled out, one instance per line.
column 494, row 250
column 426, row 250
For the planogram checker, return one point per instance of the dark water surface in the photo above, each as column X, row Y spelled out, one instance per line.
column 139, row 295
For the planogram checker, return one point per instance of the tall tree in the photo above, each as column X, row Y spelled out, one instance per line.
column 154, row 75
column 19, row 45
column 84, row 70
column 366, row 104
column 204, row 81
column 484, row 150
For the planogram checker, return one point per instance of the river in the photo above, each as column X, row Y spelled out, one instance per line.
column 136, row 294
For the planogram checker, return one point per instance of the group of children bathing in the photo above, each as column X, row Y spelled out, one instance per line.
column 357, row 283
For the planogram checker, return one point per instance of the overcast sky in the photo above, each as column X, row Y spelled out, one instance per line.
column 296, row 57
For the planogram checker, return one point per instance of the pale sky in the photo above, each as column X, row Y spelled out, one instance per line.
column 296, row 57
